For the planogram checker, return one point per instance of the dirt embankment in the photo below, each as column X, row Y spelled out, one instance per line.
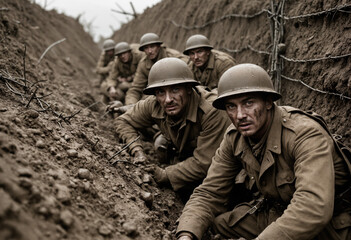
column 313, row 32
column 55, row 178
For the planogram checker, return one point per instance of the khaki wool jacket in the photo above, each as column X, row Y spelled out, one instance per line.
column 300, row 167
column 196, row 137
column 104, row 65
column 135, row 92
column 218, row 63
column 120, row 69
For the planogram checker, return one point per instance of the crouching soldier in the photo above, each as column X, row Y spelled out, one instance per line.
column 103, row 66
column 298, row 175
column 123, row 70
column 151, row 45
column 207, row 64
column 186, row 119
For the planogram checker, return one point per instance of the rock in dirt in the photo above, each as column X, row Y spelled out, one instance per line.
column 105, row 230
column 25, row 172
column 148, row 198
column 72, row 153
column 146, row 178
column 83, row 173
column 32, row 114
column 63, row 194
column 66, row 219
column 40, row 144
column 130, row 229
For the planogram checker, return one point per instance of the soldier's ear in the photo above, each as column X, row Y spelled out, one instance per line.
column 268, row 102
column 189, row 89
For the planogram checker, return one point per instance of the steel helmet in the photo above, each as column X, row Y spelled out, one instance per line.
column 168, row 71
column 196, row 41
column 108, row 44
column 122, row 47
column 244, row 78
column 149, row 38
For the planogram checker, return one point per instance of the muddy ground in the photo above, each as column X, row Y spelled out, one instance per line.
column 56, row 179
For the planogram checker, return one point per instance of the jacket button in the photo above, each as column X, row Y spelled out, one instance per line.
column 263, row 183
column 284, row 120
column 275, row 147
column 252, row 178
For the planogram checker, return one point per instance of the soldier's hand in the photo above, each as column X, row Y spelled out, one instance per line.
column 139, row 157
column 114, row 105
column 160, row 175
column 123, row 109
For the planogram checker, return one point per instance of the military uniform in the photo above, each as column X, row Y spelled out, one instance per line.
column 135, row 92
column 296, row 173
column 218, row 63
column 125, row 70
column 196, row 136
column 104, row 65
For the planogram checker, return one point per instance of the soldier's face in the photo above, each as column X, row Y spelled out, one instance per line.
column 199, row 56
column 152, row 51
column 250, row 114
column 110, row 52
column 125, row 57
column 173, row 99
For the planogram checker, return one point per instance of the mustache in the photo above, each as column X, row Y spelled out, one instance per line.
column 244, row 121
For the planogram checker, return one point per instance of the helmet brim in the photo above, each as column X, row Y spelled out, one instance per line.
column 150, row 90
column 219, row 103
column 141, row 48
column 186, row 51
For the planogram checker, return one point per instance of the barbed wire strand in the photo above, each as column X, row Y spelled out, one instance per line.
column 334, row 9
column 248, row 47
column 338, row 8
column 314, row 59
column 315, row 89
column 234, row 15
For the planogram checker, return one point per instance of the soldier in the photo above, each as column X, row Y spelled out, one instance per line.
column 123, row 70
column 105, row 60
column 150, row 43
column 207, row 64
column 185, row 117
column 298, row 175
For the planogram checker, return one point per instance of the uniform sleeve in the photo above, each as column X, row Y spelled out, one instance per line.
column 112, row 77
column 138, row 117
column 192, row 169
column 100, row 62
column 211, row 197
column 135, row 92
column 311, row 206
column 105, row 70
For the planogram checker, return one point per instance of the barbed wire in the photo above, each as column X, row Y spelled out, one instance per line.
column 334, row 9
column 248, row 47
column 314, row 59
column 234, row 15
column 315, row 89
column 24, row 89
column 339, row 8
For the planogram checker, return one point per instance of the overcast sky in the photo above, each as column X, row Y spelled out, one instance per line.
column 98, row 12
